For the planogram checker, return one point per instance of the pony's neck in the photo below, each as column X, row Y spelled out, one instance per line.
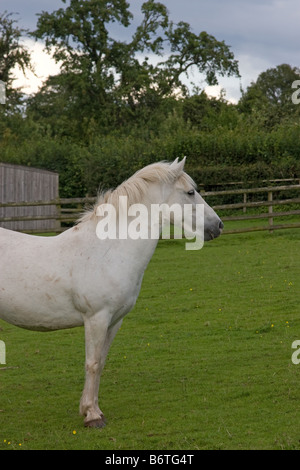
column 139, row 221
column 158, row 193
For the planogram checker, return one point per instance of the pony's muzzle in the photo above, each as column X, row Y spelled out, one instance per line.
column 213, row 232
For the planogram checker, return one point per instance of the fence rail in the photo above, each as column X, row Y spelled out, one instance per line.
column 69, row 209
column 270, row 203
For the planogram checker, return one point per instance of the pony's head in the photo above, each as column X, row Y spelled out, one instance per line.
column 167, row 185
column 185, row 194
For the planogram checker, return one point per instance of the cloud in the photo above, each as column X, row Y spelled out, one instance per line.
column 43, row 66
column 27, row 10
column 261, row 33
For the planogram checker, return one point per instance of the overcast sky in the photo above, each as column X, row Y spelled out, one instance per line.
column 261, row 33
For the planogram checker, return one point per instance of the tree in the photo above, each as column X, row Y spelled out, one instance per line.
column 103, row 80
column 12, row 54
column 208, row 114
column 271, row 95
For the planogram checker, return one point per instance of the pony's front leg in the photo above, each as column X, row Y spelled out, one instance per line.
column 98, row 338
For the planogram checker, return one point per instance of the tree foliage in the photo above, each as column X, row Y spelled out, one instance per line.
column 104, row 80
column 12, row 54
column 271, row 95
column 118, row 105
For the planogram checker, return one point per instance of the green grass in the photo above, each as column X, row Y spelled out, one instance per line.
column 202, row 362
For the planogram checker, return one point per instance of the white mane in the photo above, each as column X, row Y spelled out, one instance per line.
column 137, row 186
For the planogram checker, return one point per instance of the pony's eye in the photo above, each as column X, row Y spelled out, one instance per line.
column 191, row 192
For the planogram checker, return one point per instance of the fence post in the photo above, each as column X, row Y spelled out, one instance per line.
column 245, row 201
column 58, row 214
column 270, row 199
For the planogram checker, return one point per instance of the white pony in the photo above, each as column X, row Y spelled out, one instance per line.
column 75, row 279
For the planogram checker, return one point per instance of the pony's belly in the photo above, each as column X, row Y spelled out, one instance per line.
column 33, row 322
column 39, row 314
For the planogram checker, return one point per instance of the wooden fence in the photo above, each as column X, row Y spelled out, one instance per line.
column 271, row 203
column 68, row 210
column 27, row 184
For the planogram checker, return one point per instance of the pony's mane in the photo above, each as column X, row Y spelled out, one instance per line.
column 136, row 187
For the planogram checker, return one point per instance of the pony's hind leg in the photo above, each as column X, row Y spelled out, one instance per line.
column 98, row 338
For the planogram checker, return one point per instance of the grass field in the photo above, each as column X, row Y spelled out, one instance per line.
column 202, row 362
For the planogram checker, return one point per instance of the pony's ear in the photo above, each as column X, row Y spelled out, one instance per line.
column 174, row 164
column 178, row 167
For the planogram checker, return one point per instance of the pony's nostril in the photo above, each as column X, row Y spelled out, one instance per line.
column 221, row 225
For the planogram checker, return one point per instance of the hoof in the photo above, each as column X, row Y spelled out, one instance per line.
column 96, row 423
